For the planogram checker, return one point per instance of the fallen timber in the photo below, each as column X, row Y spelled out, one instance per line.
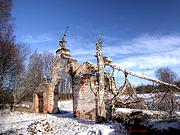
column 125, row 71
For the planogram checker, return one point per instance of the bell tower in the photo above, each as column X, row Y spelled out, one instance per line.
column 62, row 43
column 61, row 78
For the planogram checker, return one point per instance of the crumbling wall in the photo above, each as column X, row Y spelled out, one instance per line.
column 36, row 104
column 45, row 99
column 84, row 97
column 108, row 95
column 61, row 78
column 84, row 103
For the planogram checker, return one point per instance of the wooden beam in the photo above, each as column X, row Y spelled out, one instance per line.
column 142, row 76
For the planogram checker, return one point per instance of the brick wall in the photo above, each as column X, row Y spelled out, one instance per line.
column 84, row 100
column 84, row 103
column 61, row 78
column 36, row 104
column 45, row 99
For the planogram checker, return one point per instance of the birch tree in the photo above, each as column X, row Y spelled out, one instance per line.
column 101, row 111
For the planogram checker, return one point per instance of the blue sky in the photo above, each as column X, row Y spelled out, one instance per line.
column 141, row 35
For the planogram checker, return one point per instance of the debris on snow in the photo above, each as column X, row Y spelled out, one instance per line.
column 40, row 126
column 62, row 123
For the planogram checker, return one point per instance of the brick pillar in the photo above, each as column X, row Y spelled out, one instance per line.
column 45, row 105
column 50, row 99
column 36, row 104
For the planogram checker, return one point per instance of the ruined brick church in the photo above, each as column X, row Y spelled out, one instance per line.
column 68, row 76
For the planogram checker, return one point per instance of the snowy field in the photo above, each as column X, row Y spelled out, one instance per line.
column 59, row 124
column 20, row 123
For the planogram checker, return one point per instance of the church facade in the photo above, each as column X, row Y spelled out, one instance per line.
column 68, row 76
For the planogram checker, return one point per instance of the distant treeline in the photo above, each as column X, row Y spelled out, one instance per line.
column 153, row 88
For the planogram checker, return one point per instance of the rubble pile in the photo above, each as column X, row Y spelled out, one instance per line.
column 39, row 127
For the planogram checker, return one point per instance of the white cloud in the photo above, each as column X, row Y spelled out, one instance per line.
column 143, row 45
column 150, row 52
column 143, row 54
column 37, row 39
column 152, row 60
column 82, row 49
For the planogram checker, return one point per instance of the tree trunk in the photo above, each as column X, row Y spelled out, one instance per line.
column 101, row 112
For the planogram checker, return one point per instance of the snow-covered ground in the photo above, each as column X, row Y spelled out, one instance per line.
column 65, row 124
column 59, row 124
column 149, row 112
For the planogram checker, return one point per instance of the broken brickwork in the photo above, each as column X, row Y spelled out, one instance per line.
column 84, row 103
column 45, row 99
column 61, row 78
column 84, row 95
column 70, row 77
column 94, row 91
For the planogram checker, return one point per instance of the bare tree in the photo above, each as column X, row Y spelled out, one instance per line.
column 39, row 66
column 7, row 47
column 12, row 54
column 19, row 86
column 48, row 59
column 165, row 74
column 34, row 73
column 100, row 104
column 6, row 25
